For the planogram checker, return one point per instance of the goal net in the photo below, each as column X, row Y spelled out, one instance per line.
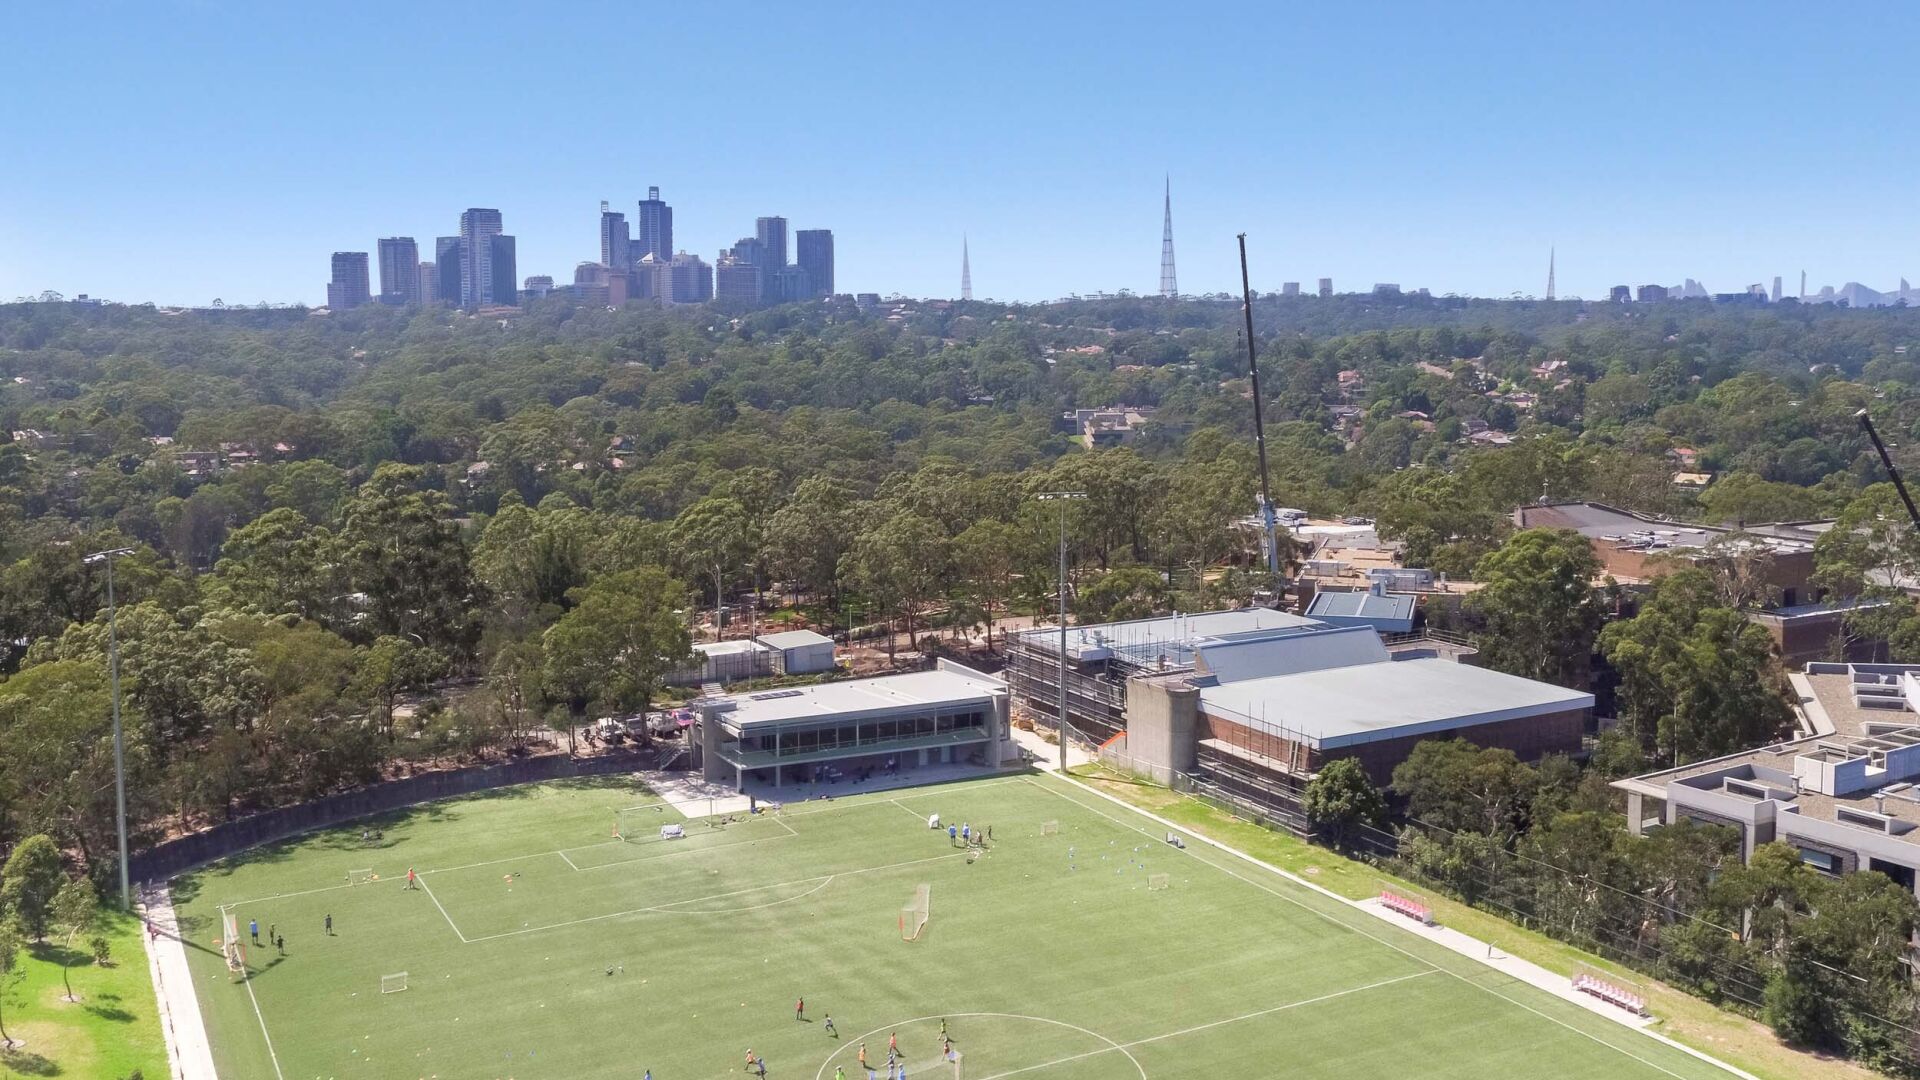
column 1156, row 882
column 393, row 984
column 913, row 917
column 362, row 877
column 636, row 823
column 1049, row 828
column 232, row 946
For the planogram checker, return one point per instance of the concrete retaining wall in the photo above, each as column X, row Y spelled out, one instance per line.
column 178, row 856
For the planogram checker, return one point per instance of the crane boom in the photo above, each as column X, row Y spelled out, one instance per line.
column 1893, row 471
column 1267, row 521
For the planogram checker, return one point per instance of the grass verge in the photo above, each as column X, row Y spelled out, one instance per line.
column 113, row 1030
column 1682, row 1017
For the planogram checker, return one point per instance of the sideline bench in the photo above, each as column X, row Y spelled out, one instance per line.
column 1611, row 993
column 1412, row 909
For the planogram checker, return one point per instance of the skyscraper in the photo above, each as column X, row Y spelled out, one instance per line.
column 1169, row 285
column 772, row 232
column 505, row 289
column 1776, row 288
column 447, row 259
column 966, row 270
column 429, row 283
column 399, row 270
column 737, row 279
column 1326, row 287
column 614, row 242
column 654, row 229
column 478, row 227
column 813, row 250
column 348, row 289
column 686, row 280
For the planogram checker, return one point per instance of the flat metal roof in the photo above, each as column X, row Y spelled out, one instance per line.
column 857, row 698
column 1361, row 605
column 1362, row 703
column 794, row 639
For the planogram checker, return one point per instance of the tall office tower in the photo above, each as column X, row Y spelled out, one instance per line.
column 749, row 250
column 446, row 260
column 737, row 279
column 399, row 270
column 505, row 290
column 772, row 232
column 539, row 285
column 1326, row 287
column 647, row 282
column 1289, row 288
column 349, row 288
column 966, row 270
column 789, row 283
column 478, row 227
column 1803, row 284
column 813, row 251
column 614, row 241
column 1549, row 273
column 429, row 283
column 1776, row 288
column 654, row 229
column 688, row 280
column 1169, row 287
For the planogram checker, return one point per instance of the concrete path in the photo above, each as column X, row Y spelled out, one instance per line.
column 1524, row 970
column 1479, row 951
column 188, row 1054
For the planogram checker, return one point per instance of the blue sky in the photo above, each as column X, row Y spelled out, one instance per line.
column 181, row 151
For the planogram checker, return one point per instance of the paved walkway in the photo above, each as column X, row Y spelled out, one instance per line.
column 188, row 1054
column 1473, row 948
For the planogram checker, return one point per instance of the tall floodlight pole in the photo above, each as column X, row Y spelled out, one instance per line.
column 1062, row 497
column 119, row 742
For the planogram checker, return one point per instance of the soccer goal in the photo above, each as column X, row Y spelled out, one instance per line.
column 1049, row 828
column 393, row 984
column 913, row 917
column 362, row 877
column 232, row 945
column 1157, row 882
column 636, row 823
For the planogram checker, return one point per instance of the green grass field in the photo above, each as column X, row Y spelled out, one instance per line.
column 1048, row 956
column 111, row 1031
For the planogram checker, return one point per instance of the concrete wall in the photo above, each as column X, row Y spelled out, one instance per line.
column 177, row 856
column 1162, row 727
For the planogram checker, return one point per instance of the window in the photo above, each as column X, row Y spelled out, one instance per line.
column 1822, row 861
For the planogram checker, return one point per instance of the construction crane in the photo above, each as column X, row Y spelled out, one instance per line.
column 1893, row 471
column 1267, row 520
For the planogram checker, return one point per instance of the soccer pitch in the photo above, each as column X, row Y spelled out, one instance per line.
column 1047, row 956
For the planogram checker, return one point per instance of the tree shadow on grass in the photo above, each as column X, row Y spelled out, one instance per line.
column 113, row 1013
column 28, row 1063
column 51, row 952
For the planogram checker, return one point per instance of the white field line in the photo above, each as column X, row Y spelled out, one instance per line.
column 443, row 911
column 247, row 978
column 1111, row 1045
column 1214, row 1024
column 1355, row 929
column 662, row 908
column 564, row 859
column 284, row 896
column 916, row 814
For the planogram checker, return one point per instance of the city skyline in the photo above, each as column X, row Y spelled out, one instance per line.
column 1340, row 163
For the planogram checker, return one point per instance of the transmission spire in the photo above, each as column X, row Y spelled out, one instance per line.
column 1169, row 287
column 1549, row 273
column 966, row 270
